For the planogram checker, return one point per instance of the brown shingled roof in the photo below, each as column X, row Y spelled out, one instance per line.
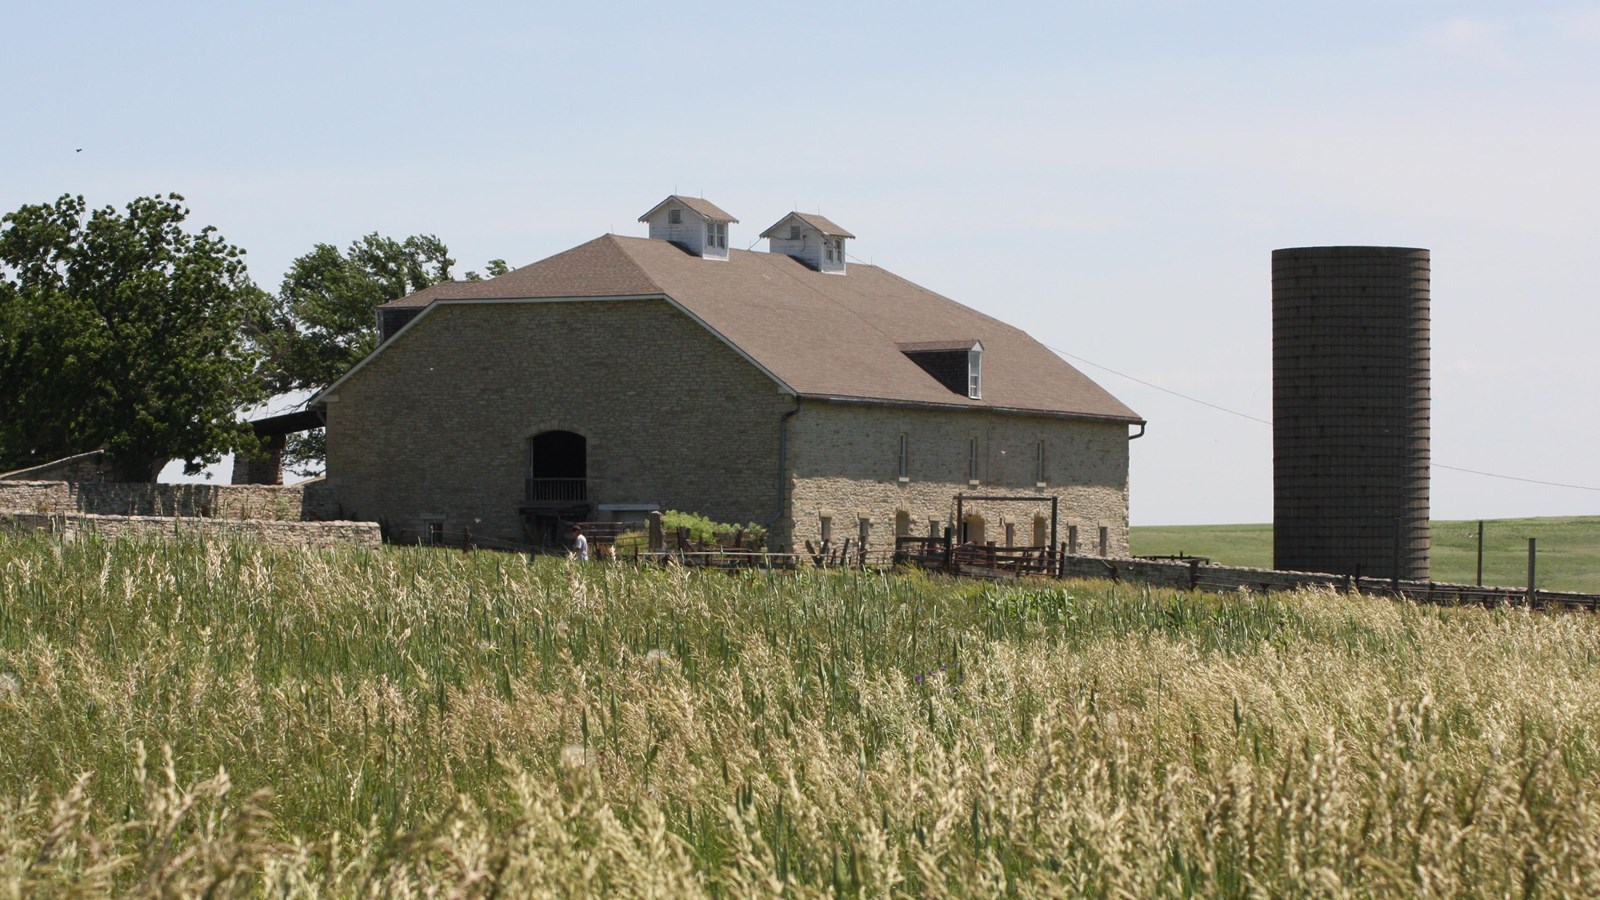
column 822, row 335
column 820, row 223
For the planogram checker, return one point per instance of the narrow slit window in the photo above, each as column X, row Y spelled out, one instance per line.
column 972, row 459
column 1038, row 463
column 904, row 467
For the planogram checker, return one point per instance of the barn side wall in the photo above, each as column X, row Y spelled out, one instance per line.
column 436, row 427
column 844, row 466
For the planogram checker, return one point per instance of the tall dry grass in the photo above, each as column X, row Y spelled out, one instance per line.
column 192, row 718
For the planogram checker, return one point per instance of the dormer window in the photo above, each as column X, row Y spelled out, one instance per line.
column 794, row 232
column 717, row 235
column 958, row 365
column 674, row 217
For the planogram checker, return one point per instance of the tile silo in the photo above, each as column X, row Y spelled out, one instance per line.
column 1350, row 410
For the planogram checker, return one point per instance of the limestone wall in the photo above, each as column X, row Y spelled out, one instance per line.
column 312, row 535
column 436, row 427
column 845, row 466
column 312, row 501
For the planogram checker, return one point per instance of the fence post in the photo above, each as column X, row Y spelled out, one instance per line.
column 1533, row 592
column 1480, row 553
column 657, row 539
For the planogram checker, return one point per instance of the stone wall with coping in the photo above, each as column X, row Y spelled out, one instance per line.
column 311, row 501
column 89, row 466
column 277, row 533
column 844, row 465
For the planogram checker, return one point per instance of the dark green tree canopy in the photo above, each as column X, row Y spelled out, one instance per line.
column 125, row 331
column 324, row 320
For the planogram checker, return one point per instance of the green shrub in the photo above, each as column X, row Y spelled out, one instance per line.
column 700, row 528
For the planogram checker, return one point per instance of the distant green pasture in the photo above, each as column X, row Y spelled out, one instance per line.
column 1569, row 549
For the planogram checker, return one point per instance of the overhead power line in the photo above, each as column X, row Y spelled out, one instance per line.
column 1234, row 412
column 1231, row 412
column 1576, row 487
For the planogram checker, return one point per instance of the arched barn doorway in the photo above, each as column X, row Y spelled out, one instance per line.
column 557, row 484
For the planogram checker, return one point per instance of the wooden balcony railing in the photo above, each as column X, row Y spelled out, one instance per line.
column 558, row 490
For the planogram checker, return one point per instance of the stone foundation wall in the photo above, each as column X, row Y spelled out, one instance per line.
column 312, row 535
column 313, row 501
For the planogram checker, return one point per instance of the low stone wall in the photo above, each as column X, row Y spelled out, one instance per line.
column 277, row 533
column 312, row 501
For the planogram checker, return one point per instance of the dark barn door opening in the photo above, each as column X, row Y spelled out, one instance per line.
column 557, row 483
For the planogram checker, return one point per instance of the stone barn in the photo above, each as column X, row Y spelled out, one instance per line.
column 795, row 388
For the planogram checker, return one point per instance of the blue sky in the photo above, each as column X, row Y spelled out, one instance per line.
column 1112, row 177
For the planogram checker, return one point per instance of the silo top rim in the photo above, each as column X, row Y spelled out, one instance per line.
column 1351, row 250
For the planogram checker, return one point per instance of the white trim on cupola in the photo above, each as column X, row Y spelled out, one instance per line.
column 812, row 239
column 696, row 224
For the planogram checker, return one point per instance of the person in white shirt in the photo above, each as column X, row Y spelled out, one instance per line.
column 580, row 544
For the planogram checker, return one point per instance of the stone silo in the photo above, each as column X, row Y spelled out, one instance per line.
column 1350, row 408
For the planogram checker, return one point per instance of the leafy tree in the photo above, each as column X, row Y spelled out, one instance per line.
column 123, row 330
column 494, row 269
column 324, row 323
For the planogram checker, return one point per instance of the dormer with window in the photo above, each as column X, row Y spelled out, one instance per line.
column 958, row 365
column 811, row 239
column 694, row 224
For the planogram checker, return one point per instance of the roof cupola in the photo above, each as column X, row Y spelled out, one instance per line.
column 811, row 239
column 695, row 224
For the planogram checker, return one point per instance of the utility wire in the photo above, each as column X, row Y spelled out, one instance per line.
column 1576, row 487
column 1233, row 412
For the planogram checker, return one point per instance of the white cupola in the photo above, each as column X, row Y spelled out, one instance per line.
column 693, row 223
column 811, row 239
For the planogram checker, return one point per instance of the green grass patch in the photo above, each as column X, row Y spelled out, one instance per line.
column 1569, row 549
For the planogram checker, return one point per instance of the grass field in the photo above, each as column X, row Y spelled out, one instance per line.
column 227, row 720
column 1569, row 549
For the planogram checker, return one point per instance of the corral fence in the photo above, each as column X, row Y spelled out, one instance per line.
column 987, row 560
column 1196, row 573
